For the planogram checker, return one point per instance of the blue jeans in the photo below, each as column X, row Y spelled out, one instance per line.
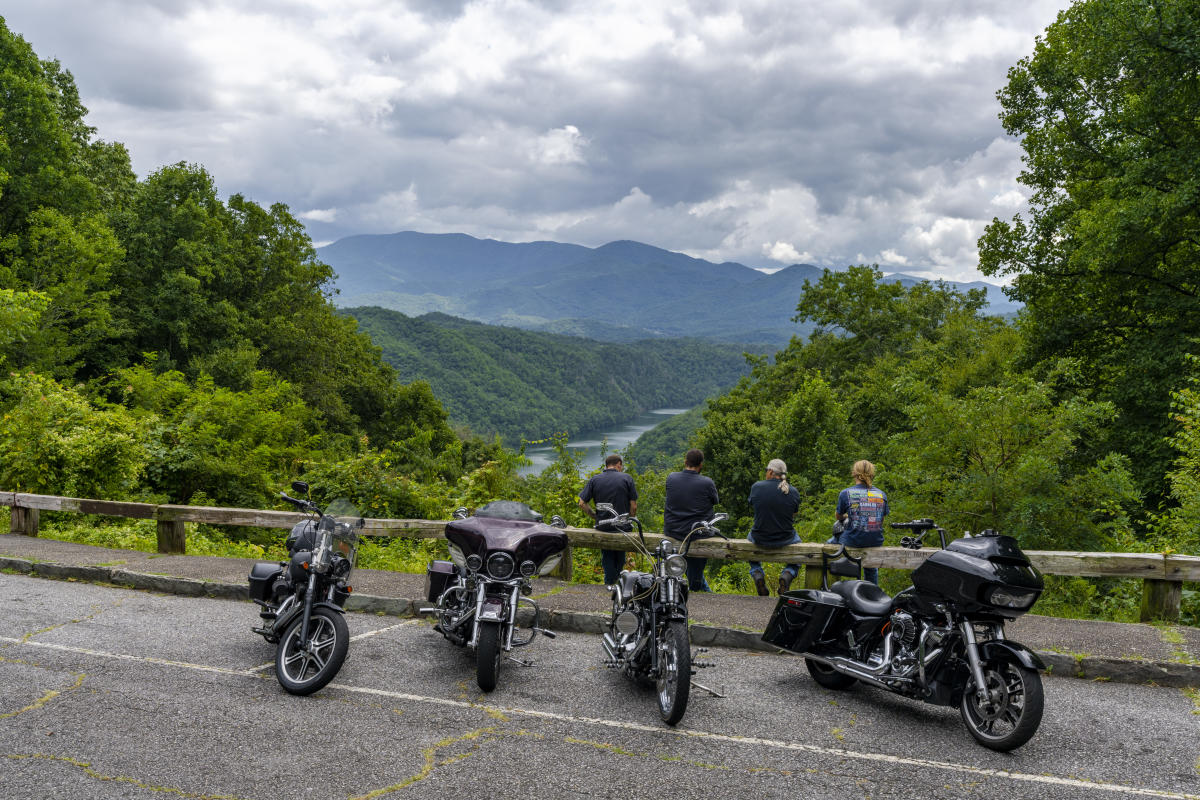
column 613, row 562
column 861, row 539
column 757, row 567
column 695, row 574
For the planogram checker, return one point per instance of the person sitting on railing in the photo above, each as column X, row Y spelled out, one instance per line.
column 689, row 500
column 775, row 504
column 861, row 508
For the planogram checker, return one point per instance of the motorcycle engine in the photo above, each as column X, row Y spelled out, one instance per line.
column 904, row 633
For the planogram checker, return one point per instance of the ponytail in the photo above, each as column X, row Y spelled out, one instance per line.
column 777, row 466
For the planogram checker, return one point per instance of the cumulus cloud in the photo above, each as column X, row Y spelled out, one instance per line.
column 746, row 130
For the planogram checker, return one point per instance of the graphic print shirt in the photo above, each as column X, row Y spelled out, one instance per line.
column 865, row 506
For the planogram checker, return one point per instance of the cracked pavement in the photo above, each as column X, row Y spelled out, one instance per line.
column 113, row 693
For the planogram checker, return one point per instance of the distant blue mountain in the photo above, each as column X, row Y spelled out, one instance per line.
column 620, row 291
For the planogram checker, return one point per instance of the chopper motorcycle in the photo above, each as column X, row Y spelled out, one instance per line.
column 941, row 640
column 303, row 599
column 647, row 636
column 477, row 593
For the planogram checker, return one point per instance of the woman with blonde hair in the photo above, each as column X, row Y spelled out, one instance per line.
column 861, row 508
column 775, row 503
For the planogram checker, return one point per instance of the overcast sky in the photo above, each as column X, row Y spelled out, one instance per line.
column 762, row 132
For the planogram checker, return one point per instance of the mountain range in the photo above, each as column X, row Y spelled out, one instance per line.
column 621, row 291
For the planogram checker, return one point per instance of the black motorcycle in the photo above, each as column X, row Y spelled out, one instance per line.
column 479, row 591
column 302, row 599
column 941, row 640
column 647, row 636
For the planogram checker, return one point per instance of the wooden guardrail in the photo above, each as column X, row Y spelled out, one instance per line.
column 1162, row 575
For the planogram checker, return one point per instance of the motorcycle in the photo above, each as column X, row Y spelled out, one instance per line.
column 647, row 636
column 477, row 593
column 303, row 599
column 940, row 641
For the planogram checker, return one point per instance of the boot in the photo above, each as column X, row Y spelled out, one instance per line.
column 785, row 580
column 760, row 583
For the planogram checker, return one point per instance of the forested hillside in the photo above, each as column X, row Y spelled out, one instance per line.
column 526, row 385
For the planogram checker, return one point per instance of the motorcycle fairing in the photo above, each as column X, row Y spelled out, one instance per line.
column 527, row 541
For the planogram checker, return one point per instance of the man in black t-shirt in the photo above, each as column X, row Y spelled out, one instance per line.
column 690, row 498
column 611, row 486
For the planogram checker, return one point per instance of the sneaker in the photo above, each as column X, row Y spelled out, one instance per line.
column 785, row 580
column 760, row 583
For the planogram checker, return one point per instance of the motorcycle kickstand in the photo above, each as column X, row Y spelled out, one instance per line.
column 712, row 692
column 523, row 662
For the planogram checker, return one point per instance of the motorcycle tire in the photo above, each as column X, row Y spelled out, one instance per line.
column 301, row 672
column 827, row 676
column 674, row 671
column 1013, row 711
column 487, row 656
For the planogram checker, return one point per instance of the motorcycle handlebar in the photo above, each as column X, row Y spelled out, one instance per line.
column 915, row 525
column 305, row 505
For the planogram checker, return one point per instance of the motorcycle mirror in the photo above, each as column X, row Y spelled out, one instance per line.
column 606, row 507
column 460, row 512
column 558, row 522
column 720, row 516
column 300, row 486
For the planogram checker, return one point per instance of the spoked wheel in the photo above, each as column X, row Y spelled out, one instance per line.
column 674, row 671
column 304, row 667
column 827, row 676
column 1013, row 709
column 487, row 656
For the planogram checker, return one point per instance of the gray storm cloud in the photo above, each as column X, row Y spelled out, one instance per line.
column 761, row 132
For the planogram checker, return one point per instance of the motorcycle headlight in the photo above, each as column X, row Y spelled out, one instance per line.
column 527, row 569
column 1007, row 598
column 500, row 565
column 676, row 565
column 474, row 562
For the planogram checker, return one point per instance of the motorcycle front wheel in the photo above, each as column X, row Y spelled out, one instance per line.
column 674, row 671
column 304, row 669
column 1013, row 710
column 487, row 656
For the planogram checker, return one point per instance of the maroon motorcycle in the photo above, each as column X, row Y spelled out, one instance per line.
column 477, row 593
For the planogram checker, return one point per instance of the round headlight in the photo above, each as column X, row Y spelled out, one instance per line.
column 474, row 562
column 528, row 568
column 500, row 565
column 676, row 565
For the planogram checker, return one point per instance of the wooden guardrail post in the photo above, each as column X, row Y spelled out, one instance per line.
column 172, row 535
column 566, row 568
column 1161, row 600
column 24, row 520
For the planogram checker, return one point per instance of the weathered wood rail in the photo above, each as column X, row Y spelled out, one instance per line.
column 1163, row 575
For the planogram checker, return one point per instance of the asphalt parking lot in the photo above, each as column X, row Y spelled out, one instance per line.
column 114, row 693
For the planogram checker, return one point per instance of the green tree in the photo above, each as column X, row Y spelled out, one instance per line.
column 1108, row 111
column 56, row 442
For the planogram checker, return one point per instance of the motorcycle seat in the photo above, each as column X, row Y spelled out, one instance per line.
column 864, row 597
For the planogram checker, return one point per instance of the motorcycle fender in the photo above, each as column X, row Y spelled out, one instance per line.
column 492, row 611
column 993, row 650
column 327, row 604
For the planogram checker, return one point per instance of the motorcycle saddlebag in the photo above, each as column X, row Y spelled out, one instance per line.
column 802, row 618
column 438, row 576
column 262, row 577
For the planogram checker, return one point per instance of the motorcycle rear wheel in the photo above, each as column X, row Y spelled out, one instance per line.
column 1013, row 711
column 302, row 671
column 827, row 676
column 487, row 656
column 674, row 671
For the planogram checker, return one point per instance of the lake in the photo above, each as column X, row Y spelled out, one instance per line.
column 619, row 437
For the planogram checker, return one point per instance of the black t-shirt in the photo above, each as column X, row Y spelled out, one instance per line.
column 690, row 499
column 610, row 486
column 773, row 512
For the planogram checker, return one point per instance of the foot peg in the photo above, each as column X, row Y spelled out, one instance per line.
column 546, row 633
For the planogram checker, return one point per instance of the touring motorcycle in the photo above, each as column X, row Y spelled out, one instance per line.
column 647, row 636
column 477, row 593
column 302, row 600
column 941, row 640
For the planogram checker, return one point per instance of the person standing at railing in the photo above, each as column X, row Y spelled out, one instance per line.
column 775, row 503
column 861, row 508
column 690, row 498
column 611, row 486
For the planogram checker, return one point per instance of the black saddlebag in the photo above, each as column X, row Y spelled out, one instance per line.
column 262, row 577
column 438, row 577
column 802, row 618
